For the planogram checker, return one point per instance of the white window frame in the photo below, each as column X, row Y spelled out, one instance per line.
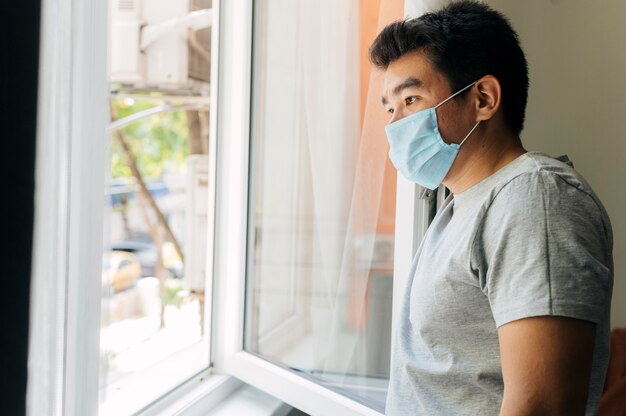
column 73, row 108
column 234, row 123
column 64, row 350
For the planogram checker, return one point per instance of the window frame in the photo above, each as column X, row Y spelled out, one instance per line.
column 72, row 120
column 233, row 193
column 67, row 240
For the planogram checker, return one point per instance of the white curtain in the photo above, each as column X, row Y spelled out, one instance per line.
column 328, row 126
column 318, row 176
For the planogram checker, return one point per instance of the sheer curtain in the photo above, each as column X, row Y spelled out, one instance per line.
column 328, row 124
column 322, row 197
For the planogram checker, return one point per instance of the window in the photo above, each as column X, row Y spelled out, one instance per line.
column 303, row 182
column 269, row 308
column 132, row 132
column 153, row 334
column 322, row 211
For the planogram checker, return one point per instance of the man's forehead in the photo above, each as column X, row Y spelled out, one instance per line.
column 413, row 70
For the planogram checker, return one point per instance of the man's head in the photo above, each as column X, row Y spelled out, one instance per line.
column 463, row 43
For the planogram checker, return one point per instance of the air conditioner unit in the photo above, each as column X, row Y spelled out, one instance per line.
column 149, row 42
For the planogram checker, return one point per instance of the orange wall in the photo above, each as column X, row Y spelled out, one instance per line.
column 375, row 15
column 369, row 28
column 374, row 199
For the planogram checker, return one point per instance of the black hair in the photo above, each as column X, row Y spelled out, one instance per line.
column 465, row 41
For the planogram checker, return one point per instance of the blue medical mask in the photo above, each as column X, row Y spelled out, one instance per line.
column 417, row 150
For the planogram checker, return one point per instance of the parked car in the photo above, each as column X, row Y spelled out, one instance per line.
column 144, row 251
column 120, row 271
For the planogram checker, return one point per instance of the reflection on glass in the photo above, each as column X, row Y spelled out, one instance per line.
column 153, row 266
column 322, row 209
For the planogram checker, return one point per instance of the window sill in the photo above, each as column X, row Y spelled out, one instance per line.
column 216, row 395
column 249, row 401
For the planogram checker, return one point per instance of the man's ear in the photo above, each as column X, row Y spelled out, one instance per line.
column 489, row 97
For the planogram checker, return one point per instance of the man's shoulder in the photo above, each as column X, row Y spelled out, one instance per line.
column 534, row 188
column 541, row 187
column 530, row 174
column 538, row 176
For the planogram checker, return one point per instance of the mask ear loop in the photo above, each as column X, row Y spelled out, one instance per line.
column 451, row 97
column 468, row 134
column 454, row 95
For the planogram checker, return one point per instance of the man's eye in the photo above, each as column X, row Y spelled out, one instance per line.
column 410, row 100
column 390, row 110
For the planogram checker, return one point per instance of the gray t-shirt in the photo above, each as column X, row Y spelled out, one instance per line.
column 530, row 240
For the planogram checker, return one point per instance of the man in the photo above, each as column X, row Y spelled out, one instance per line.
column 507, row 306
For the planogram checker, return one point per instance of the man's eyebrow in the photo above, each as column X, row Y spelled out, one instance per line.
column 407, row 83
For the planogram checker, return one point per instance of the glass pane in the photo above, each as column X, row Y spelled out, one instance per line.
column 322, row 210
column 153, row 277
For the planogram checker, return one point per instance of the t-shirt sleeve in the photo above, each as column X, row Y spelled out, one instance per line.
column 544, row 248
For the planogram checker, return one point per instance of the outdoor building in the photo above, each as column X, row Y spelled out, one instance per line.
column 202, row 215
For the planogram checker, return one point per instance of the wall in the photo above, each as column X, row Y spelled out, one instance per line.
column 577, row 99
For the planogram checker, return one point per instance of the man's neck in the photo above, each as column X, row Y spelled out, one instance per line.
column 482, row 160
